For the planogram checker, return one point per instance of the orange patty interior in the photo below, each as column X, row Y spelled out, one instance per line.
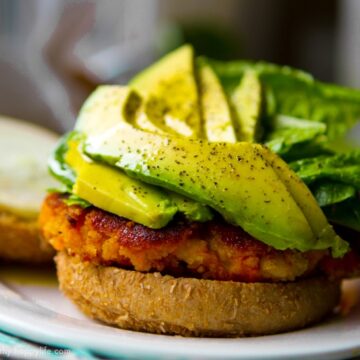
column 213, row 250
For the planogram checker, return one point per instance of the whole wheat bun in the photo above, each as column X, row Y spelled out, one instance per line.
column 191, row 307
column 20, row 240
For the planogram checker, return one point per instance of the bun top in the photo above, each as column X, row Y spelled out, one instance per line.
column 24, row 149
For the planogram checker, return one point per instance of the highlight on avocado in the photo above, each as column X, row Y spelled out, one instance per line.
column 250, row 142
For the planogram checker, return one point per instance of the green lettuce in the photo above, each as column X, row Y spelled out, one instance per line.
column 343, row 168
column 230, row 72
column 294, row 138
column 76, row 200
column 57, row 165
column 346, row 213
column 335, row 182
column 295, row 93
column 328, row 193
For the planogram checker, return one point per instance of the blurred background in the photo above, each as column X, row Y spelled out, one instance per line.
column 53, row 53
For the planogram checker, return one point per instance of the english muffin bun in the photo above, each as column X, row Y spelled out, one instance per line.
column 24, row 179
column 193, row 307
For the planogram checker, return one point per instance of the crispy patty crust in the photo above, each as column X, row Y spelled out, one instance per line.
column 213, row 250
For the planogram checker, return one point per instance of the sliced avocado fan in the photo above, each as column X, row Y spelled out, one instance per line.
column 110, row 189
column 185, row 97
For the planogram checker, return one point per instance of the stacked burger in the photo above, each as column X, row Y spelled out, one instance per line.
column 205, row 199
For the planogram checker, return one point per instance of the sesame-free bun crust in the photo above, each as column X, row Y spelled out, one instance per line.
column 192, row 307
column 20, row 240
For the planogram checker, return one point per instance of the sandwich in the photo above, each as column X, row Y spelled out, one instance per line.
column 207, row 199
column 23, row 183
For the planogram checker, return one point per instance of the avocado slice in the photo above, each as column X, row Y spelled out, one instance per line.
column 112, row 104
column 218, row 122
column 306, row 202
column 110, row 189
column 190, row 208
column 105, row 107
column 144, row 121
column 151, row 116
column 246, row 101
column 172, row 82
column 215, row 174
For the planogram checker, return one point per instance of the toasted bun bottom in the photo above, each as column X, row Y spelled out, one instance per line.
column 192, row 307
column 20, row 240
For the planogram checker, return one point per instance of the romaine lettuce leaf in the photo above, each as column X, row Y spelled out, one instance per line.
column 294, row 138
column 329, row 193
column 230, row 72
column 57, row 165
column 335, row 182
column 346, row 213
column 295, row 93
column 344, row 168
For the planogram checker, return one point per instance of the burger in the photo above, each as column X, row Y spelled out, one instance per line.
column 196, row 201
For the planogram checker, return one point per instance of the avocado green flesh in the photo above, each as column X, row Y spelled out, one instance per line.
column 144, row 121
column 246, row 100
column 151, row 116
column 308, row 204
column 107, row 106
column 124, row 198
column 172, row 81
column 227, row 177
column 216, row 112
column 111, row 189
column 191, row 209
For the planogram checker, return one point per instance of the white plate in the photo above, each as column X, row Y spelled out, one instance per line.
column 32, row 307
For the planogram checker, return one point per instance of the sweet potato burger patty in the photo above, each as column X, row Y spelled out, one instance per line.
column 212, row 250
